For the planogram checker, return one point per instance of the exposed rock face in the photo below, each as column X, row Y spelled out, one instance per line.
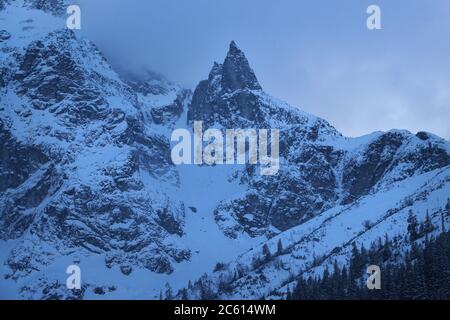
column 85, row 169
column 306, row 182
column 391, row 157
column 4, row 3
column 233, row 78
column 145, row 82
column 150, row 87
column 56, row 7
column 235, row 72
column 330, row 191
column 49, row 72
column 168, row 114
column 4, row 35
column 319, row 168
column 74, row 149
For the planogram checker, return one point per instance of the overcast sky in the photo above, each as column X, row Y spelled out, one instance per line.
column 316, row 54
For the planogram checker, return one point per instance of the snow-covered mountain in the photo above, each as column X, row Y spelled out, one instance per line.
column 86, row 177
column 82, row 167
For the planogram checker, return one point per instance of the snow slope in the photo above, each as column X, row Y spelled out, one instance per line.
column 86, row 177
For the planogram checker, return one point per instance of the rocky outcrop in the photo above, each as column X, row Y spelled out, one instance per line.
column 85, row 169
column 320, row 168
column 76, row 159
column 56, row 7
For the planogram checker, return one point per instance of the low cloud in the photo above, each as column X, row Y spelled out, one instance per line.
column 317, row 55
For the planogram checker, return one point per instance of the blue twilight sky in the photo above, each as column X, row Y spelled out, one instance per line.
column 315, row 54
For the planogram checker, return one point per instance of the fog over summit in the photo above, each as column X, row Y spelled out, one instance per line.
column 316, row 55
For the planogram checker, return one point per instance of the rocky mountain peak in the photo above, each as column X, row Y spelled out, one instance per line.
column 210, row 100
column 236, row 71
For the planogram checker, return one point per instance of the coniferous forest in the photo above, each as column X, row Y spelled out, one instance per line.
column 423, row 273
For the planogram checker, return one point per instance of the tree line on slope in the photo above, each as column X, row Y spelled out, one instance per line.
column 423, row 273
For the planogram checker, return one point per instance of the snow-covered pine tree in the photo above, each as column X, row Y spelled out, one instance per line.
column 266, row 253
column 412, row 226
column 427, row 225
